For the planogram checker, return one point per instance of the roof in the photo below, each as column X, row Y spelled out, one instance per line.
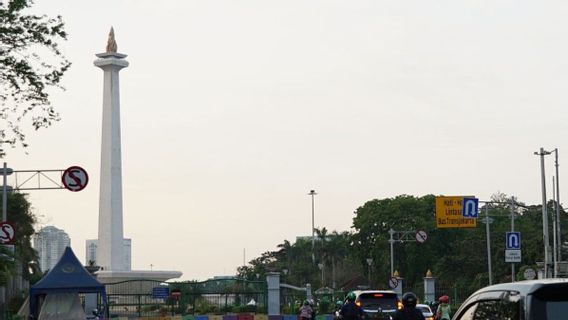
column 524, row 287
column 68, row 275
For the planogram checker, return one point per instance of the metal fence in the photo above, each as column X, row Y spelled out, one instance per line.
column 148, row 298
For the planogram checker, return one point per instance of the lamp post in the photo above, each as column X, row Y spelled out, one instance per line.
column 369, row 262
column 320, row 266
column 313, row 193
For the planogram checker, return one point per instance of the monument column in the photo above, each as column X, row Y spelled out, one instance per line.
column 110, row 254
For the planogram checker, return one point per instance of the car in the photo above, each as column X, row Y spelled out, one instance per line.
column 377, row 304
column 426, row 311
column 543, row 299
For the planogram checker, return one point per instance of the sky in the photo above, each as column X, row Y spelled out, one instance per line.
column 232, row 111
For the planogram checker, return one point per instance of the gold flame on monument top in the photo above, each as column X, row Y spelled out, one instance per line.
column 111, row 43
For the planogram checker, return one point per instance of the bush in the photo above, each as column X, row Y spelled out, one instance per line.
column 324, row 306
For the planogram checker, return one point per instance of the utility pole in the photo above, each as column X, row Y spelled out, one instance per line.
column 559, row 238
column 313, row 193
column 554, row 235
column 488, row 235
column 542, row 153
column 512, row 230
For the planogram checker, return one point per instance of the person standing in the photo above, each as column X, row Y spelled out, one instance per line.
column 350, row 310
column 409, row 311
column 306, row 311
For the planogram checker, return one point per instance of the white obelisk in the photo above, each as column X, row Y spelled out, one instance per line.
column 110, row 254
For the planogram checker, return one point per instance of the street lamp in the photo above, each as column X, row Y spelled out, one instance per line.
column 320, row 266
column 369, row 263
column 313, row 193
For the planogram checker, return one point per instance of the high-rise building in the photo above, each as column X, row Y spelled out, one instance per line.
column 91, row 253
column 50, row 243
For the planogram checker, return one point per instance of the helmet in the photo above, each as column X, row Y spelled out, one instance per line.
column 351, row 296
column 409, row 299
column 339, row 303
column 306, row 303
column 444, row 299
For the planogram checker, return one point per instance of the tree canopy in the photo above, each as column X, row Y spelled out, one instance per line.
column 30, row 63
column 25, row 257
column 456, row 257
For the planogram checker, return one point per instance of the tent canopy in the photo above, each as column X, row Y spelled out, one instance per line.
column 68, row 275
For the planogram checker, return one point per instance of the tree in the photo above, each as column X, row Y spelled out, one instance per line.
column 30, row 63
column 22, row 218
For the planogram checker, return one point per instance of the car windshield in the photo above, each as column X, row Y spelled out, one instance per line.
column 374, row 301
column 550, row 302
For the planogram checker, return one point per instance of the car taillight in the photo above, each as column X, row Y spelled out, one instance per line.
column 399, row 305
column 358, row 303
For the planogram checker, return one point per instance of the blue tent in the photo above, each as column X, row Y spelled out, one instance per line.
column 67, row 276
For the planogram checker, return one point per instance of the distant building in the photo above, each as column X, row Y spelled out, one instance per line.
column 50, row 242
column 91, row 253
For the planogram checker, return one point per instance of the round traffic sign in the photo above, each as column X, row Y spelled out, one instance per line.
column 75, row 178
column 7, row 233
column 421, row 236
column 529, row 274
column 393, row 282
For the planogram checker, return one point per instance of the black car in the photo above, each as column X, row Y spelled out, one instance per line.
column 377, row 304
column 545, row 299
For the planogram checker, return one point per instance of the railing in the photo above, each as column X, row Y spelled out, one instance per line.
column 139, row 298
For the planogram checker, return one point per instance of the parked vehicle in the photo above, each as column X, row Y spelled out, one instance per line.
column 544, row 299
column 426, row 311
column 377, row 304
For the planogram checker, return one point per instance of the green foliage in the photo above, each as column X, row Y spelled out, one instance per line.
column 325, row 306
column 21, row 217
column 30, row 63
column 457, row 257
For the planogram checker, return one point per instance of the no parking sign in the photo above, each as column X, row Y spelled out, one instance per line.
column 75, row 178
column 7, row 233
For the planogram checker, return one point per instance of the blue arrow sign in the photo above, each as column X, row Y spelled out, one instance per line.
column 470, row 207
column 513, row 240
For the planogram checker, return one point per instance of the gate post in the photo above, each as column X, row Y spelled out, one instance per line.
column 429, row 287
column 273, row 286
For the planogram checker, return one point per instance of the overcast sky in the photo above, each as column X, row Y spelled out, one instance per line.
column 233, row 110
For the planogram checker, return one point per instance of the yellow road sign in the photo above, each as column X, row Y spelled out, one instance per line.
column 449, row 213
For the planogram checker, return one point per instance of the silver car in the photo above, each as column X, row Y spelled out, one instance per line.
column 426, row 311
column 545, row 299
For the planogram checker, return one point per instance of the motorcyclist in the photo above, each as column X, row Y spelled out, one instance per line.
column 444, row 310
column 350, row 310
column 409, row 311
column 306, row 311
column 338, row 305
